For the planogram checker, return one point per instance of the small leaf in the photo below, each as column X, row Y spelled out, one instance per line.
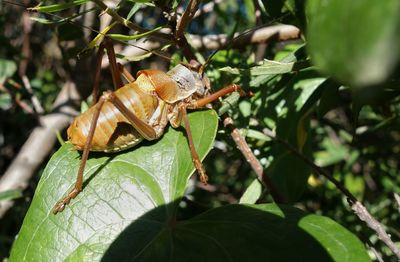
column 251, row 133
column 133, row 37
column 10, row 195
column 7, row 69
column 134, row 9
column 267, row 67
column 5, row 101
column 252, row 193
column 228, row 103
column 57, row 7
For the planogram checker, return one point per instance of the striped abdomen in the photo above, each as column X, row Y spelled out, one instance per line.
column 113, row 131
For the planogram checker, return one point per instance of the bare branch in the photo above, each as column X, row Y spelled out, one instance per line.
column 39, row 144
column 252, row 160
column 372, row 223
column 186, row 18
column 261, row 35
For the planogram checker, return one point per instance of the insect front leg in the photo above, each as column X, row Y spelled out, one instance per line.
column 182, row 115
column 211, row 98
column 195, row 157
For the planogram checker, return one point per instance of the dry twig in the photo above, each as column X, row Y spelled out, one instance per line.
column 252, row 160
column 186, row 18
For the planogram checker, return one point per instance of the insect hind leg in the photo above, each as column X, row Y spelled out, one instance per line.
column 114, row 68
column 60, row 206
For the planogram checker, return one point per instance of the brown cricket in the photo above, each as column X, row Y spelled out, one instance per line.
column 140, row 109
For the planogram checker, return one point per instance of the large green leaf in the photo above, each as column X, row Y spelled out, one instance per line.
column 355, row 41
column 231, row 233
column 118, row 189
column 291, row 108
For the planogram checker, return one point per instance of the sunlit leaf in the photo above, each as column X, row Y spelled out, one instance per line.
column 252, row 193
column 7, row 69
column 118, row 189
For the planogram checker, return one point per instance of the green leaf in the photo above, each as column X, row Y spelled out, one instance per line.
column 229, row 233
column 118, row 189
column 291, row 108
column 357, row 42
column 10, row 195
column 267, row 67
column 57, row 7
column 133, row 37
column 252, row 193
column 62, row 20
column 134, row 9
column 5, row 101
column 7, row 69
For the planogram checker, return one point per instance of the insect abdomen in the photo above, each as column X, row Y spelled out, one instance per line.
column 113, row 131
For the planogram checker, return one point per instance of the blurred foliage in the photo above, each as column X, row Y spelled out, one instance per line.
column 340, row 108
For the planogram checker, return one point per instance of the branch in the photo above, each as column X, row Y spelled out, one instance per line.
column 372, row 223
column 39, row 144
column 252, row 160
column 186, row 18
column 126, row 22
column 356, row 206
column 258, row 36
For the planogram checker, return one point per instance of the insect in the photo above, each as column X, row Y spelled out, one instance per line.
column 139, row 110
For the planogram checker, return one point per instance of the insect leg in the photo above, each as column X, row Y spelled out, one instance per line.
column 224, row 91
column 195, row 157
column 59, row 207
column 146, row 130
column 113, row 64
column 128, row 77
column 99, row 58
column 115, row 71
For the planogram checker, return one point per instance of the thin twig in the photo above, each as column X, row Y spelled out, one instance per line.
column 377, row 255
column 126, row 22
column 356, row 206
column 35, row 101
column 186, row 18
column 26, row 54
column 252, row 160
column 372, row 223
column 397, row 199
